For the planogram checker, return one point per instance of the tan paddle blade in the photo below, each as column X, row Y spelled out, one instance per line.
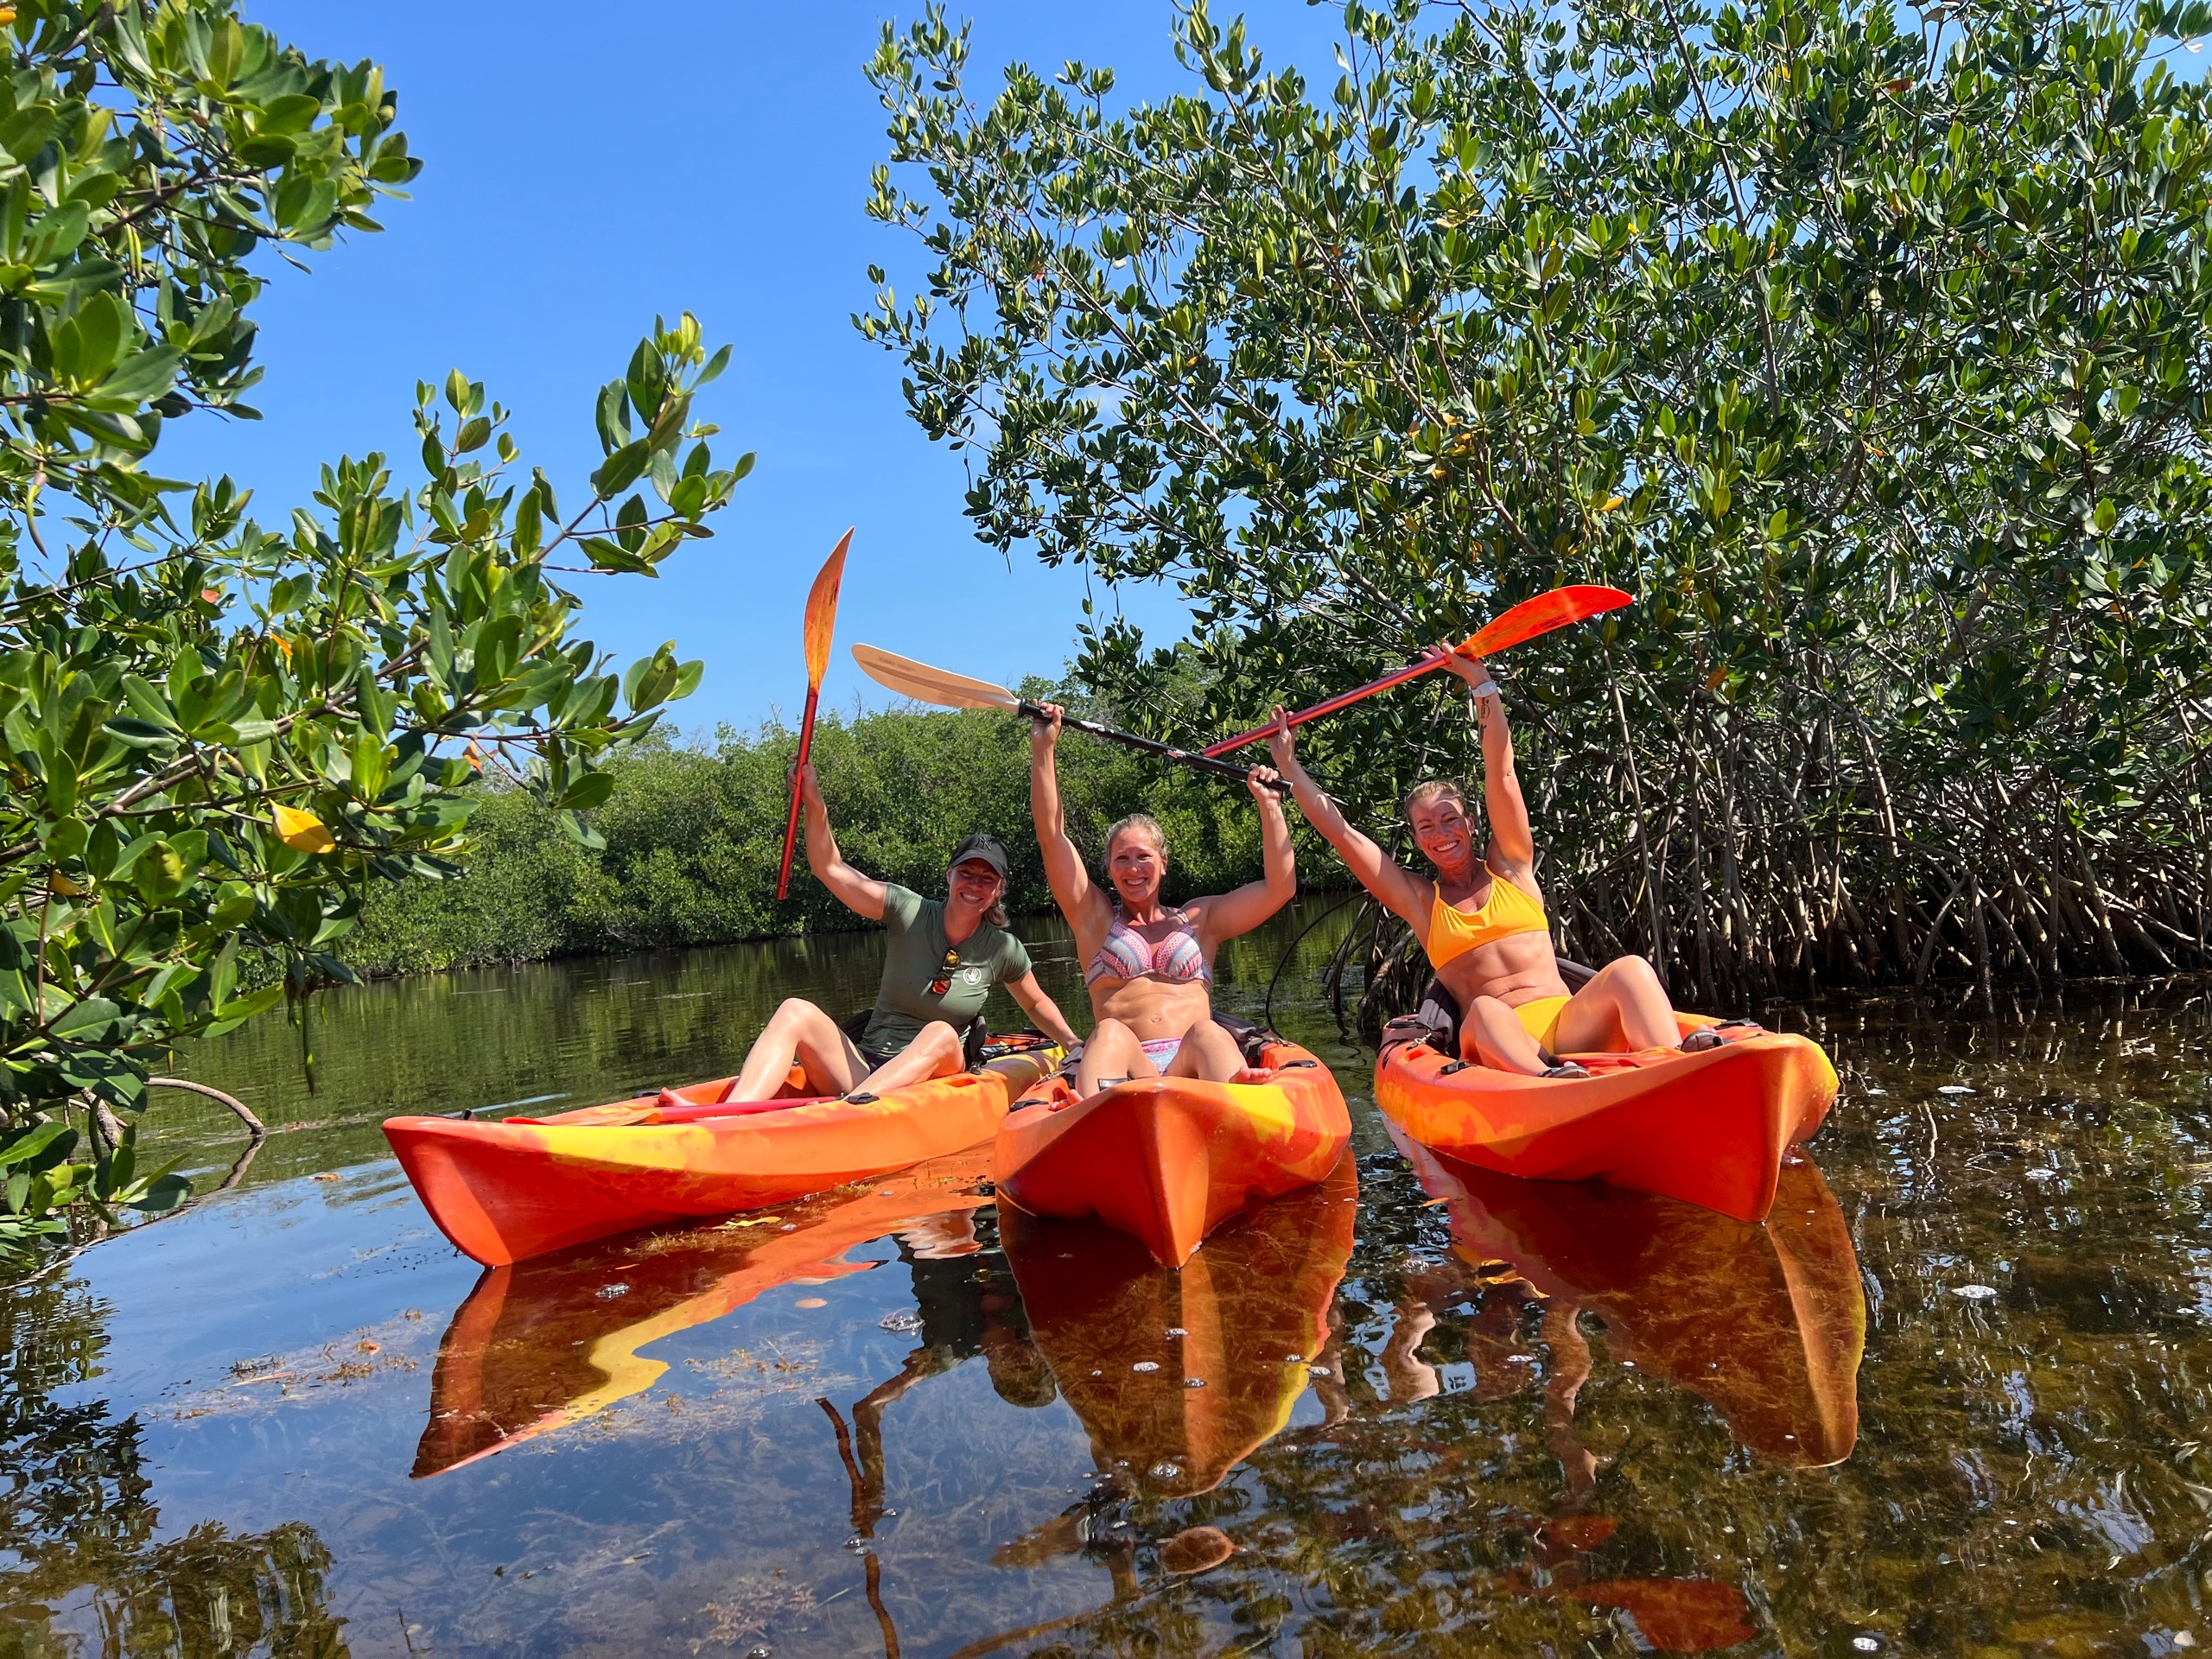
column 822, row 612
column 925, row 685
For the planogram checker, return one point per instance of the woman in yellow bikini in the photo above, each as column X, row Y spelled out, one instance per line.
column 1482, row 919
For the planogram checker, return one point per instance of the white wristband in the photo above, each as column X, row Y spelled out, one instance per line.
column 1488, row 689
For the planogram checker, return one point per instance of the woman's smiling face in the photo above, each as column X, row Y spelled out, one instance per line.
column 1444, row 834
column 1136, row 866
column 976, row 884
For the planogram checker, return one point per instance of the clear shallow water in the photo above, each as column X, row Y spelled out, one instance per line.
column 1952, row 1399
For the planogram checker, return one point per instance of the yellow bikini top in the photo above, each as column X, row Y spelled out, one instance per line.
column 1453, row 932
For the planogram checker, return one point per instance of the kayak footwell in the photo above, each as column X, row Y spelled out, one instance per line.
column 1168, row 1160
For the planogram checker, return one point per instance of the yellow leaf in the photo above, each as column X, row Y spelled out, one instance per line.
column 475, row 758
column 302, row 831
column 1712, row 680
column 62, row 885
column 1609, row 504
column 283, row 645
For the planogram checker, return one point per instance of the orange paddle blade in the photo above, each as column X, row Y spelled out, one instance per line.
column 1541, row 615
column 822, row 613
column 1524, row 622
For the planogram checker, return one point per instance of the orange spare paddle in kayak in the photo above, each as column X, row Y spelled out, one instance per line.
column 1524, row 622
column 821, row 623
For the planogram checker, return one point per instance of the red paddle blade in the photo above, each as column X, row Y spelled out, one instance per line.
column 822, row 613
column 1541, row 615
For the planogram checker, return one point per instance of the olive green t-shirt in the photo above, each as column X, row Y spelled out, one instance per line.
column 915, row 960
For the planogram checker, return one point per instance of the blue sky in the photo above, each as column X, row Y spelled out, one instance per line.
column 588, row 167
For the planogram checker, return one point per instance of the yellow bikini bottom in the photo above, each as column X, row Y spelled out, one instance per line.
column 1539, row 1018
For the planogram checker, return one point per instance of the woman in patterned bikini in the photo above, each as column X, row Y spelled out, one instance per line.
column 1148, row 968
column 1481, row 919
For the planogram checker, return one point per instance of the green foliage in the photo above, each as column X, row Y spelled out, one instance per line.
column 691, row 840
column 219, row 736
column 1873, row 359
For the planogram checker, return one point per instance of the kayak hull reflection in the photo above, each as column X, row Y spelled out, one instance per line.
column 508, row 1191
column 1766, row 1322
column 1179, row 1376
column 1168, row 1160
column 540, row 1347
column 1710, row 1129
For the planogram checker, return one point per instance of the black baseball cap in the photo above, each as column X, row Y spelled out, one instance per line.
column 987, row 847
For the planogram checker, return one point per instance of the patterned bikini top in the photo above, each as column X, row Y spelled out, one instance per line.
column 1127, row 954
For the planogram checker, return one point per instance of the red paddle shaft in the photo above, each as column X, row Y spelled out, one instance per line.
column 1524, row 622
column 791, row 825
column 1396, row 676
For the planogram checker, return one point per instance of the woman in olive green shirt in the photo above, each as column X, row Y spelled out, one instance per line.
column 943, row 957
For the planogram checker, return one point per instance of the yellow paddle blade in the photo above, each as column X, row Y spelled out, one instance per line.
column 822, row 613
column 925, row 685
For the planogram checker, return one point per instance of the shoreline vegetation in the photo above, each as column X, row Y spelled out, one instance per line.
column 692, row 832
column 1869, row 353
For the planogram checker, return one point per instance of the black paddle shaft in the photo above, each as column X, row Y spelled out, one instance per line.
column 1166, row 751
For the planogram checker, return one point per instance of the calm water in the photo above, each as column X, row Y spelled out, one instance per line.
column 1955, row 1398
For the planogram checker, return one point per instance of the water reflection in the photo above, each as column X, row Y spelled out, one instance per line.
column 1179, row 1373
column 1767, row 1322
column 82, row 1541
column 1555, row 1419
column 550, row 1341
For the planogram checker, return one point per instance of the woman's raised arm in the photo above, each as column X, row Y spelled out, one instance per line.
column 862, row 895
column 1402, row 892
column 1246, row 907
column 1064, row 870
column 1508, row 810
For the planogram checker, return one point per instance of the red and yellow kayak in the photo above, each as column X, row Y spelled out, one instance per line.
column 1710, row 1127
column 507, row 1191
column 1171, row 1159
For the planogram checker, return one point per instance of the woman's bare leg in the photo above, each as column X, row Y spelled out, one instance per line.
column 1411, row 1378
column 1209, row 1051
column 1622, row 1009
column 1111, row 1055
column 798, row 1031
column 1492, row 1033
column 935, row 1053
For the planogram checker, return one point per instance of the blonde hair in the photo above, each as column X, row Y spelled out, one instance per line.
column 1436, row 788
column 1143, row 821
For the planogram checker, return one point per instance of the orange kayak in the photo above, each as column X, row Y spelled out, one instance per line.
column 1171, row 1159
column 1711, row 1129
column 541, row 1347
column 507, row 1191
column 1179, row 1376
